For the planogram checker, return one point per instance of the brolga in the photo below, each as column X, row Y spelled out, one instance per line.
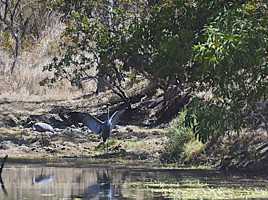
column 102, row 128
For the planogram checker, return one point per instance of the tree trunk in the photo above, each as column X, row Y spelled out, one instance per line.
column 15, row 52
column 174, row 101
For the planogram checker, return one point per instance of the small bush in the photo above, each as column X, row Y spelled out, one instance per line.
column 182, row 146
column 192, row 151
column 179, row 135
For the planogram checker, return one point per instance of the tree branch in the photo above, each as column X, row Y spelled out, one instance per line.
column 2, row 164
column 14, row 12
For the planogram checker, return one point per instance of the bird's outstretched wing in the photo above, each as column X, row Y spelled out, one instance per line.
column 88, row 120
column 93, row 123
column 115, row 117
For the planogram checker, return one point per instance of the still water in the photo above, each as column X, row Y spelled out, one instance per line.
column 104, row 183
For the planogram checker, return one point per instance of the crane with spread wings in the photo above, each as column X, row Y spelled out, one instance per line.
column 102, row 128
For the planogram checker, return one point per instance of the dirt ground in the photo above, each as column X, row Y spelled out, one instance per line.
column 18, row 140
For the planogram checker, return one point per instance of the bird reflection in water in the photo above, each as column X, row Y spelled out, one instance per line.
column 102, row 190
column 42, row 179
column 1, row 180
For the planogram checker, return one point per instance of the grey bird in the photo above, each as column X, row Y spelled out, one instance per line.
column 102, row 128
column 42, row 127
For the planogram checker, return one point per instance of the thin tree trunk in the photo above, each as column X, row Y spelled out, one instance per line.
column 15, row 52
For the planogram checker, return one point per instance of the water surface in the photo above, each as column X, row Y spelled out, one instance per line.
column 104, row 183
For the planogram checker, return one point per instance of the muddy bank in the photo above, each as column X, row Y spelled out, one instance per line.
column 132, row 139
column 130, row 143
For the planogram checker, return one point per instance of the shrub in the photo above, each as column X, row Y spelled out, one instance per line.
column 192, row 151
column 179, row 135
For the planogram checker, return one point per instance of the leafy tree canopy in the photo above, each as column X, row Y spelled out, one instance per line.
column 217, row 47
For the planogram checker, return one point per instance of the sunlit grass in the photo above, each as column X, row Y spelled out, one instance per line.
column 102, row 147
column 198, row 190
column 133, row 144
column 193, row 149
column 10, row 131
column 187, row 167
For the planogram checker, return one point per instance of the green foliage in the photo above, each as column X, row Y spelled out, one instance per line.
column 234, row 53
column 232, row 64
column 217, row 47
column 182, row 145
column 6, row 41
column 209, row 119
column 179, row 135
column 92, row 38
column 160, row 46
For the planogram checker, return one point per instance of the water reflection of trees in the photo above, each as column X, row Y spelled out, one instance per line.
column 3, row 186
column 1, row 180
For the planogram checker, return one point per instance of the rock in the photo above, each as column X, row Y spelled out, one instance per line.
column 50, row 150
column 52, row 119
column 24, row 148
column 84, row 128
column 7, row 145
column 129, row 129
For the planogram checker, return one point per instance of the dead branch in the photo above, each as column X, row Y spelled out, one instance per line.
column 2, row 164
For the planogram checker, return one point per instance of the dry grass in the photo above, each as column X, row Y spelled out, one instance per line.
column 4, row 132
column 193, row 149
column 23, row 84
column 195, row 189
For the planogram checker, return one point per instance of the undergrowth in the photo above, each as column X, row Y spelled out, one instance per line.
column 182, row 146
